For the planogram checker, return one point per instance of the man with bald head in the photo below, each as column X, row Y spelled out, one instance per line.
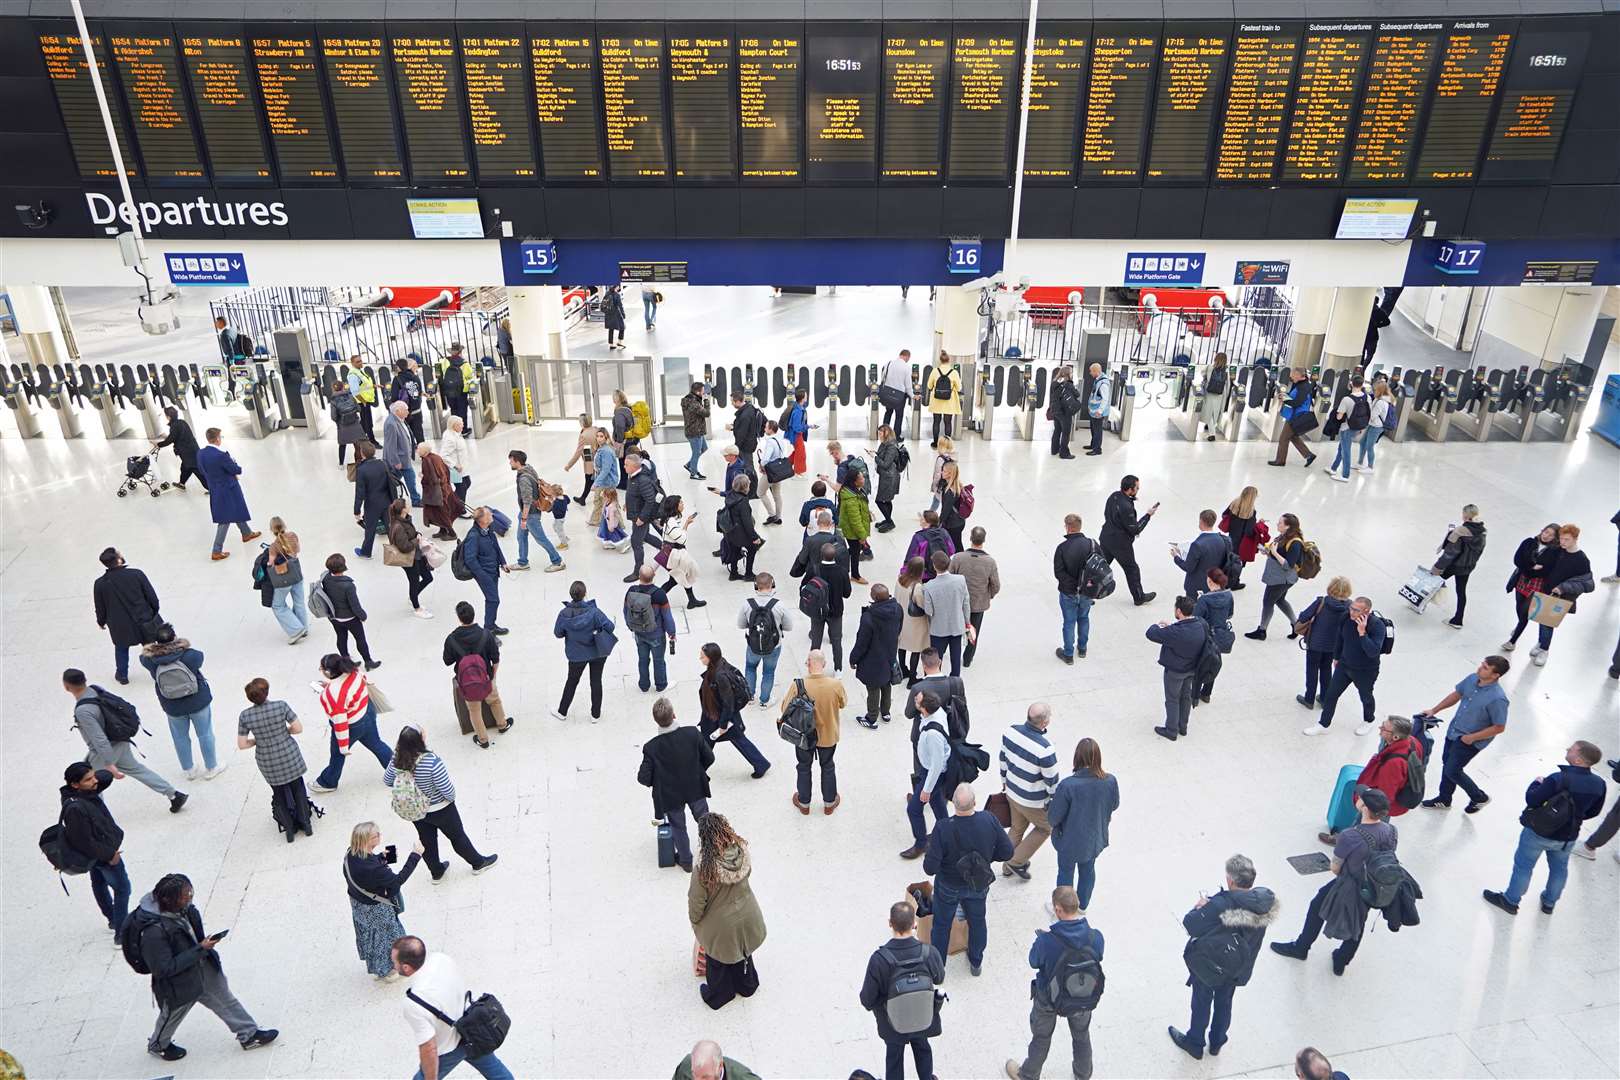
column 1100, row 389
column 826, row 693
column 705, row 1062
column 959, row 855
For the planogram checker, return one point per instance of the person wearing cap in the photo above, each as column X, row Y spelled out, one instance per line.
column 457, row 381
column 1337, row 908
column 89, row 829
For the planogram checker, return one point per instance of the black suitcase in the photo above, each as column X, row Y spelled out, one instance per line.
column 666, row 844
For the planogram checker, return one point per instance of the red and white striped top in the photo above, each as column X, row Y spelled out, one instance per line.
column 345, row 701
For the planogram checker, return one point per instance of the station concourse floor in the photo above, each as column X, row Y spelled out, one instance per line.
column 587, row 942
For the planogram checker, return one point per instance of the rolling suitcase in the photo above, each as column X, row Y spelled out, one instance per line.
column 1421, row 588
column 1341, row 812
column 666, row 845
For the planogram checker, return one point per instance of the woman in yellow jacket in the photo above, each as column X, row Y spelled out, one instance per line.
column 942, row 389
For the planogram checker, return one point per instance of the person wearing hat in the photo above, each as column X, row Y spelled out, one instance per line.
column 89, row 829
column 1337, row 908
column 457, row 381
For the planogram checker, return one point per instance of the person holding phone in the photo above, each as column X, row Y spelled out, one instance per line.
column 376, row 898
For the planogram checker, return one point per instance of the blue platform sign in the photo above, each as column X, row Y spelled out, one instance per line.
column 214, row 268
column 1164, row 268
column 538, row 256
column 964, row 257
column 1459, row 256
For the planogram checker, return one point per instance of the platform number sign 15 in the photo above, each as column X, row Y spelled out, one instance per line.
column 963, row 257
column 538, row 256
column 1459, row 256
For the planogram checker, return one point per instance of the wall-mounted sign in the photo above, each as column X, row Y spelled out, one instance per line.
column 445, row 219
column 964, row 257
column 652, row 271
column 538, row 256
column 214, row 268
column 1270, row 272
column 1460, row 257
column 1560, row 271
column 1164, row 268
column 1376, row 219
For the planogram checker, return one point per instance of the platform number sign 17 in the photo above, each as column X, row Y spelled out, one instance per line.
column 1459, row 256
column 963, row 257
column 538, row 256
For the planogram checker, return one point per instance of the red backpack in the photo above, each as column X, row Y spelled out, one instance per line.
column 964, row 501
column 473, row 680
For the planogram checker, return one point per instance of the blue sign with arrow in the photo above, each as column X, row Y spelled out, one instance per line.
column 1164, row 268
column 213, row 268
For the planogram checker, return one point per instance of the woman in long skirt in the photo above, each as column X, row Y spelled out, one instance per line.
column 375, row 897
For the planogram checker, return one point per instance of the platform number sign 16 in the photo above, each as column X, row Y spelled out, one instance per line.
column 963, row 257
column 538, row 256
column 1459, row 256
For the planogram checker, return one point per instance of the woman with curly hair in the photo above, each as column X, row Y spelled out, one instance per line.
column 725, row 916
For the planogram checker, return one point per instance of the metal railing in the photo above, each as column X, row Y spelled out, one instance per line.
column 1055, row 333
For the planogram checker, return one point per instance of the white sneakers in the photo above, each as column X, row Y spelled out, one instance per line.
column 1341, row 478
column 1610, row 579
column 558, row 714
column 556, row 567
column 1313, row 728
column 1362, row 468
column 1584, row 852
column 216, row 770
column 1363, row 729
column 1538, row 656
column 422, row 613
column 192, row 774
column 1508, row 646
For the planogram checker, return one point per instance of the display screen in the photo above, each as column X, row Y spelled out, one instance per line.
column 217, row 67
column 564, row 62
column 1376, row 219
column 1264, row 56
column 1330, row 70
column 770, row 100
column 357, row 79
column 70, row 79
column 1541, row 81
column 840, row 104
column 1192, row 73
column 497, row 79
column 1472, row 61
column 445, row 219
column 632, row 60
column 1057, row 82
column 427, row 78
column 1115, row 125
column 1403, row 60
column 289, row 84
column 984, row 100
column 915, row 64
column 148, row 65
column 701, row 101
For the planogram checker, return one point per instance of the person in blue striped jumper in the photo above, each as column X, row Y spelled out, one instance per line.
column 433, row 780
column 1029, row 776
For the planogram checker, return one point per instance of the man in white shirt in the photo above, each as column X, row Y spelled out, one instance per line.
column 772, row 447
column 895, row 391
column 437, row 995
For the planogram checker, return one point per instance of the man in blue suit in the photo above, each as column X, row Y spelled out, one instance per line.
column 1207, row 552
column 229, row 507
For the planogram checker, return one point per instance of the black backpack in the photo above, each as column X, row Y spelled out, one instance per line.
column 1232, row 565
column 458, row 563
column 902, row 457
column 1411, row 792
column 64, row 857
column 1096, row 577
column 934, row 539
column 966, row 762
column 1389, row 635
column 243, row 345
column 724, row 522
column 1218, row 957
column 740, row 694
column 1360, row 413
column 1551, row 817
column 1076, row 984
column 975, row 869
column 451, row 383
column 1381, row 876
column 130, row 939
column 942, row 383
column 798, row 724
column 787, row 415
column 813, row 597
column 482, row 1026
column 763, row 634
column 118, row 717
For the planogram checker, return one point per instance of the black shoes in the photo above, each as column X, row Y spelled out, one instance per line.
column 176, row 801
column 1497, row 900
column 1256, row 635
column 373, row 665
column 1305, row 701
column 499, row 631
column 1009, row 869
column 1147, row 598
column 172, row 1052
column 1165, row 733
column 1186, row 1045
column 690, row 604
column 1063, row 656
column 758, row 773
column 867, row 722
column 262, row 1037
column 1310, row 459
column 1435, row 804
column 915, row 851
column 1289, row 949
column 1474, row 805
column 631, row 577
column 486, row 864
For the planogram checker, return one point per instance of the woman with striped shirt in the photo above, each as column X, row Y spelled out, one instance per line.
column 433, row 780
column 347, row 701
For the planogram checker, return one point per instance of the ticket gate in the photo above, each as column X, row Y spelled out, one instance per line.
column 1187, row 413
column 1475, row 408
column 61, row 394
column 1237, row 399
column 1515, row 404
column 1263, row 408
column 314, row 409
column 145, row 400
column 1121, row 422
column 15, row 394
column 916, row 402
column 499, row 394
column 251, row 384
column 1433, row 403
column 874, row 411
column 1562, row 400
column 104, row 400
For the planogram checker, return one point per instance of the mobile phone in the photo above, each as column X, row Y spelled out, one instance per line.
column 218, row 935
column 672, row 646
column 391, row 854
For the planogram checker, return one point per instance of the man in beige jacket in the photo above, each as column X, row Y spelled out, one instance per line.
column 983, row 582
column 827, row 692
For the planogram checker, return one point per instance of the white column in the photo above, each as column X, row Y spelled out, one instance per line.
column 538, row 329
column 956, row 324
column 38, row 325
column 1537, row 324
column 1347, row 329
column 1312, row 307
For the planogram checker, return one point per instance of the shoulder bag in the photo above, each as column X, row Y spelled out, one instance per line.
column 397, row 901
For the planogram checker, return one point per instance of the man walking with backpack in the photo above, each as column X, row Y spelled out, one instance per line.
column 960, row 853
column 531, row 516
column 930, row 754
column 1555, row 808
column 1354, row 413
column 91, row 834
column 1069, row 561
column 1340, row 908
column 877, row 640
column 765, row 619
column 436, row 1000
column 1358, row 652
column 899, row 991
column 1067, row 958
column 1224, row 936
column 827, row 700
column 456, row 382
column 647, row 616
column 821, row 597
column 1397, row 769
column 108, row 724
column 472, row 654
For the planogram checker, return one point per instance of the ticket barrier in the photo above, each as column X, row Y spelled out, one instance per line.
column 104, row 400
column 1121, row 422
column 1028, row 386
column 480, row 410
column 309, row 395
column 60, row 393
column 15, row 394
column 256, row 398
column 177, row 385
column 500, row 395
column 1433, row 404
column 1263, row 408
column 433, row 414
column 1515, row 404
column 874, row 411
column 830, row 391
column 1237, row 401
column 1563, row 400
column 916, row 402
column 1187, row 411
column 146, row 404
column 1475, row 408
column 266, row 375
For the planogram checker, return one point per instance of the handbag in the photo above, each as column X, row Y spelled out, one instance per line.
column 662, row 558
column 397, row 901
column 1304, row 422
column 379, row 700
column 1000, row 808
column 351, row 467
column 778, row 470
column 604, row 641
column 431, row 552
column 392, row 556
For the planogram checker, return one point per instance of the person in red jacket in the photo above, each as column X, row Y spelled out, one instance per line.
column 1387, row 769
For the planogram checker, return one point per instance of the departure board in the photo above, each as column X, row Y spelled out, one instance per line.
column 148, row 65
column 1324, row 101
column 289, row 84
column 915, row 65
column 1057, row 80
column 357, row 79
column 701, row 101
column 1472, row 61
column 497, row 78
column 563, row 57
column 70, row 79
column 1403, row 61
column 427, row 78
column 632, row 60
column 217, row 68
column 1540, row 86
column 1115, row 123
column 840, row 103
column 770, row 100
column 984, row 100
column 1192, row 73
column 1264, row 56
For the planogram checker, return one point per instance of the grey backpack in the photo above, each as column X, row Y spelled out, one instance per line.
column 320, row 605
column 909, row 1005
column 638, row 612
column 175, row 680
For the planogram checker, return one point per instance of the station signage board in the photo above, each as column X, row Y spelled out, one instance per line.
column 1459, row 257
column 1261, row 272
column 206, row 268
column 538, row 256
column 1164, row 268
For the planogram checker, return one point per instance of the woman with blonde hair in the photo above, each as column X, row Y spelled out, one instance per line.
column 725, row 917
column 1320, row 623
column 942, row 389
column 949, row 491
column 1081, row 808
column 375, row 896
column 585, row 454
column 1238, row 523
column 453, row 450
column 1382, row 419
column 287, row 582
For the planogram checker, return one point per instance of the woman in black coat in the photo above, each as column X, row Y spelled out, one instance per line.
column 1532, row 561
column 742, row 540
column 877, row 644
column 613, row 316
column 126, row 605
column 185, row 447
column 722, row 693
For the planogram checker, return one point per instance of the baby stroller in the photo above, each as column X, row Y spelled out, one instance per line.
column 138, row 472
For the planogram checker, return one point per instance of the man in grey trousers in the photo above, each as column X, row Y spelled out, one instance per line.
column 119, row 756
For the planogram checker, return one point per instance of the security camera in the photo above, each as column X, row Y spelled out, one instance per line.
column 35, row 215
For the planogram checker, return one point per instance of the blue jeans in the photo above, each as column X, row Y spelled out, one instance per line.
column 490, row 586
column 1081, row 875
column 946, row 901
column 1454, row 758
column 536, row 527
column 649, row 310
column 109, row 884
column 650, row 647
column 180, row 728
column 1204, row 1001
column 363, row 732
column 1525, row 857
column 1076, row 621
column 224, row 527
column 1369, row 439
column 408, row 478
column 489, row 1066
column 914, row 811
column 287, row 605
column 1341, row 457
column 698, row 444
column 751, row 666
column 121, row 660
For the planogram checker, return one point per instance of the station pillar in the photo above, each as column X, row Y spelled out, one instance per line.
column 956, row 325
column 539, row 329
column 1312, row 309
column 1347, row 328
column 40, row 324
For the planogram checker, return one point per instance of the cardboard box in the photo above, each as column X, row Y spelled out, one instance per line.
column 1549, row 610
column 925, row 924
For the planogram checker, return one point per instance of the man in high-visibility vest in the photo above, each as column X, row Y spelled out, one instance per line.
column 456, row 381
column 365, row 392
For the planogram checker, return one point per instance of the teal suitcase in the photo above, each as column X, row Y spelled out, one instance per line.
column 1342, row 807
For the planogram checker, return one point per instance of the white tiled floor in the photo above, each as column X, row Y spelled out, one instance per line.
column 587, row 942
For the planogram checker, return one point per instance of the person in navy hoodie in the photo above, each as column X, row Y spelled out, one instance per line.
column 1071, row 933
column 588, row 639
column 1180, row 644
column 1587, row 792
column 1360, row 646
column 1323, row 618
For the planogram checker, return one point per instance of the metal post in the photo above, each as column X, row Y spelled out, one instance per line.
column 1023, row 137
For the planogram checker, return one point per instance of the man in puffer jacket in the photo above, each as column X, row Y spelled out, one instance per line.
column 1460, row 553
column 1239, row 907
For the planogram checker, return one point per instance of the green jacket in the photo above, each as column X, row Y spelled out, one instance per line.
column 735, row 1070
column 854, row 514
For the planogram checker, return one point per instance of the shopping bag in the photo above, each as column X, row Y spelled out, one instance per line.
column 1422, row 587
column 1549, row 610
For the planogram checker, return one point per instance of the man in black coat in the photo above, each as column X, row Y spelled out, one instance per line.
column 1181, row 643
column 1069, row 567
column 126, row 607
column 1064, row 408
column 1120, row 529
column 89, row 829
column 951, row 691
column 675, row 764
column 960, row 851
column 641, row 503
column 823, row 531
column 747, row 425
column 902, row 950
column 372, row 493
column 877, row 642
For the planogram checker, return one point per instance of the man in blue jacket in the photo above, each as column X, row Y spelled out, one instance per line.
column 1180, row 644
column 1298, row 417
column 1207, row 552
column 1241, row 912
column 1587, row 792
column 1055, row 952
column 481, row 551
column 968, row 836
column 1360, row 645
